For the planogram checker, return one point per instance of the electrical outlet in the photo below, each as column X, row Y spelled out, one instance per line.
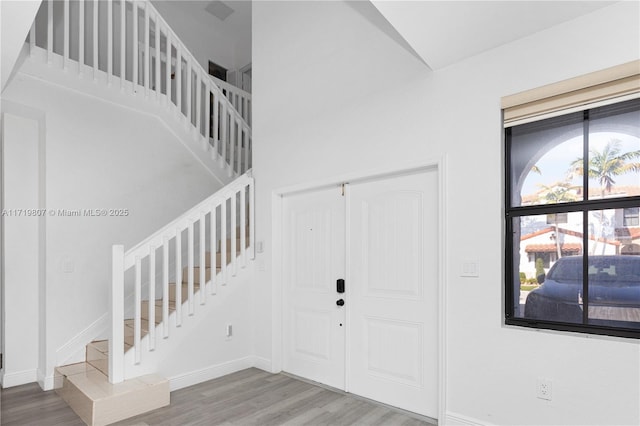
column 544, row 388
column 229, row 331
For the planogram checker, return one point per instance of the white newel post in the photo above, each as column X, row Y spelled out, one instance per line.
column 116, row 305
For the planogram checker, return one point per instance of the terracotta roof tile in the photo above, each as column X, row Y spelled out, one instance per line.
column 551, row 248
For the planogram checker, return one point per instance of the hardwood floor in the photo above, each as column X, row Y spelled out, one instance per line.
column 248, row 397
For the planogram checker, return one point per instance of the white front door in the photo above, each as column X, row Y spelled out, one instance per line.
column 389, row 351
column 314, row 259
column 393, row 291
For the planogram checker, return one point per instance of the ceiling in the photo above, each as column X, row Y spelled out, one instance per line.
column 444, row 32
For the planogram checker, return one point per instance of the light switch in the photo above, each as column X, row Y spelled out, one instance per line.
column 67, row 266
column 470, row 268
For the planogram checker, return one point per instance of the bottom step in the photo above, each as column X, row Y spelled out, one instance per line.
column 97, row 402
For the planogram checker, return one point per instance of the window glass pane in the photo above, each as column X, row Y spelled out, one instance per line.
column 541, row 158
column 542, row 244
column 614, row 276
column 614, row 151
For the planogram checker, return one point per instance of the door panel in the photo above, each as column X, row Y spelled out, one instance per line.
column 393, row 304
column 314, row 253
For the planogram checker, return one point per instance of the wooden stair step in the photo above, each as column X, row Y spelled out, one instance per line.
column 185, row 291
column 196, row 274
column 97, row 402
column 144, row 314
column 97, row 355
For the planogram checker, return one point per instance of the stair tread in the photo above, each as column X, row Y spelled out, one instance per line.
column 95, row 384
column 101, row 365
column 100, row 345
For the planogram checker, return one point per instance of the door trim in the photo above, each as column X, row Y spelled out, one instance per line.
column 277, row 197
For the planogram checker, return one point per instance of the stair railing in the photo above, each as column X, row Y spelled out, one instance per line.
column 240, row 99
column 129, row 43
column 225, row 219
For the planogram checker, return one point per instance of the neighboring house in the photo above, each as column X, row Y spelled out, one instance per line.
column 542, row 245
column 339, row 91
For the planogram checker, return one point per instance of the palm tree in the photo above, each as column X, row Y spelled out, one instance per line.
column 560, row 192
column 604, row 166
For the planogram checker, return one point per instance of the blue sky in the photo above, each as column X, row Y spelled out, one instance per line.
column 555, row 163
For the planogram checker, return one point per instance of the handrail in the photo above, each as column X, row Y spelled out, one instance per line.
column 240, row 99
column 141, row 249
column 223, row 129
column 222, row 125
column 204, row 215
column 184, row 49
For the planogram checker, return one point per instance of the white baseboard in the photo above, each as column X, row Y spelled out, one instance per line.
column 208, row 373
column 45, row 382
column 262, row 363
column 455, row 419
column 19, row 378
column 70, row 350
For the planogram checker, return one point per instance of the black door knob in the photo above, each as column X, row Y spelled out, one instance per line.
column 340, row 302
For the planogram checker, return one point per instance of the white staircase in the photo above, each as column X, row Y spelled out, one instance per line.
column 143, row 65
column 124, row 52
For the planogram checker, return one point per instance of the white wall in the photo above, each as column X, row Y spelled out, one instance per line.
column 16, row 18
column 21, row 240
column 352, row 101
column 101, row 156
column 206, row 37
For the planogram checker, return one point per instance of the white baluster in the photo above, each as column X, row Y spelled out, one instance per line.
column 165, row 287
column 81, row 37
column 216, row 124
column 213, row 247
column 96, row 67
column 178, row 278
column 207, row 113
column 234, row 236
column 147, row 50
column 152, row 297
column 123, row 39
column 246, row 149
column 134, row 38
column 198, row 104
column 223, row 241
column 190, row 266
column 252, row 221
column 179, row 78
column 243, row 226
column 50, row 32
column 232, row 142
column 137, row 318
column 66, row 25
column 189, row 90
column 239, row 149
column 202, row 260
column 168, row 67
column 223, row 132
column 109, row 41
column 116, row 339
column 157, row 82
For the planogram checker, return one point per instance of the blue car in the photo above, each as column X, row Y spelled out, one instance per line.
column 614, row 292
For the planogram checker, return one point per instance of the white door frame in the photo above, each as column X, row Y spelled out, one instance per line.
column 277, row 288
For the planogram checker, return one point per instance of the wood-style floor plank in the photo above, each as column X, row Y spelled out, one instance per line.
column 246, row 398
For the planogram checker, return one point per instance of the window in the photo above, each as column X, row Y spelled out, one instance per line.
column 572, row 192
column 631, row 217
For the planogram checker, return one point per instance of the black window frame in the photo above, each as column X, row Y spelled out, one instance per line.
column 584, row 206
